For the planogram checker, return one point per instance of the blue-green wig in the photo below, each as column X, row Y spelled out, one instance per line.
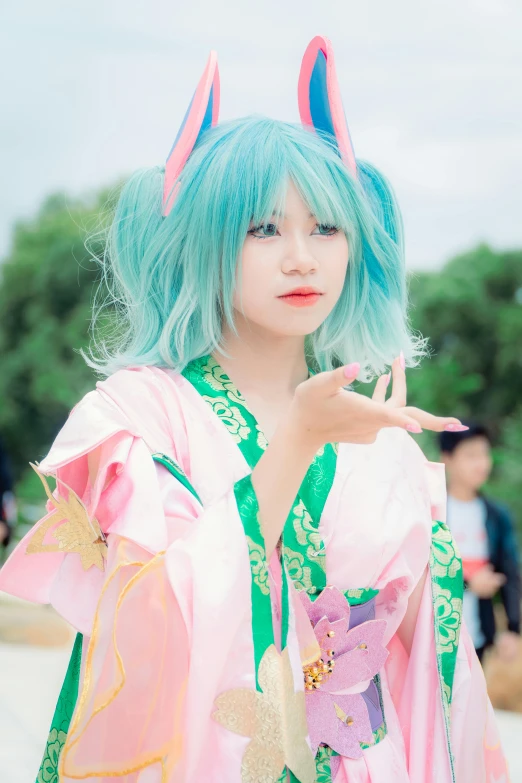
column 172, row 278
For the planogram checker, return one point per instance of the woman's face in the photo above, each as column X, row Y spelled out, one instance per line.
column 291, row 252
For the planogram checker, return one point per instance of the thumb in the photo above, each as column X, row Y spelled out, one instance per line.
column 345, row 375
column 331, row 381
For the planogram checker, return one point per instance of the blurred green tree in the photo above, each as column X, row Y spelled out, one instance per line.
column 471, row 312
column 46, row 290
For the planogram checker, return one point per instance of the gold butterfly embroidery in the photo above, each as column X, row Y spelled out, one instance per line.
column 78, row 533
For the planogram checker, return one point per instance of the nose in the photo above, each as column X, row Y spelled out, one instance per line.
column 298, row 257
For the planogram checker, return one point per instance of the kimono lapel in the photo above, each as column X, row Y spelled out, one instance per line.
column 303, row 547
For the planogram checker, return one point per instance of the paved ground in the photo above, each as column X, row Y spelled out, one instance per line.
column 31, row 676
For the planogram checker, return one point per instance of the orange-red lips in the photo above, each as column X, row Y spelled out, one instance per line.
column 303, row 296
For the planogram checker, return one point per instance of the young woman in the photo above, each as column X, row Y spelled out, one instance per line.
column 254, row 556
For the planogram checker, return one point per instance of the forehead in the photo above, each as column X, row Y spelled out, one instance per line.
column 476, row 445
column 293, row 204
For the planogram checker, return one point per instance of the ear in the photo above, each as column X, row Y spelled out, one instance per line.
column 202, row 114
column 320, row 103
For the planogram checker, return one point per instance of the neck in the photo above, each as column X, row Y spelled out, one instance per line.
column 263, row 363
column 461, row 491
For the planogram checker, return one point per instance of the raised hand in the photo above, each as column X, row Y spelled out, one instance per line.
column 323, row 411
column 398, row 399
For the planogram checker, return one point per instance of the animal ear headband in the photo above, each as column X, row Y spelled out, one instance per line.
column 320, row 108
column 319, row 96
column 202, row 114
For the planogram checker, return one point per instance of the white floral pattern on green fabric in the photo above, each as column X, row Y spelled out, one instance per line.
column 322, row 764
column 445, row 555
column 306, row 534
column 231, row 417
column 218, row 380
column 49, row 768
column 447, row 588
column 261, row 439
column 258, row 565
column 448, row 616
column 299, row 573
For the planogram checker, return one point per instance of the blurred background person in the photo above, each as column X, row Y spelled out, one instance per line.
column 7, row 503
column 484, row 534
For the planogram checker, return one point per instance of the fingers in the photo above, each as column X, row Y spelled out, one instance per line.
column 399, row 394
column 393, row 417
column 335, row 379
column 379, row 393
column 434, row 423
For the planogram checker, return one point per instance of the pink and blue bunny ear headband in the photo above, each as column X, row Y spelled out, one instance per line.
column 320, row 108
column 319, row 96
column 202, row 113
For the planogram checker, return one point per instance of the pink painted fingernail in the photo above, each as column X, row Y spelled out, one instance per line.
column 413, row 428
column 455, row 428
column 351, row 370
column 388, row 376
column 402, row 360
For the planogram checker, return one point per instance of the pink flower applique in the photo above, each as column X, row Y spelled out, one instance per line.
column 336, row 712
column 389, row 596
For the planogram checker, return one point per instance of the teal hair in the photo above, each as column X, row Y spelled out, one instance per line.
column 172, row 278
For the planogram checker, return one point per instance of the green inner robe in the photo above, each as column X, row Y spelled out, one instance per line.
column 303, row 559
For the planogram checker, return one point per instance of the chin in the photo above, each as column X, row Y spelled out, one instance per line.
column 292, row 330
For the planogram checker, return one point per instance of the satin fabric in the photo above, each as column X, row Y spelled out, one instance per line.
column 169, row 620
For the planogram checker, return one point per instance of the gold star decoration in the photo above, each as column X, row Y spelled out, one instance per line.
column 78, row 533
column 274, row 718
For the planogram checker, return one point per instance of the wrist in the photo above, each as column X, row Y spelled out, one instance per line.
column 299, row 435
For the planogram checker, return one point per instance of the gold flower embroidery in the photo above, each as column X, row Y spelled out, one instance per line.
column 444, row 554
column 231, row 417
column 275, row 720
column 49, row 768
column 218, row 380
column 354, row 593
column 306, row 533
column 300, row 574
column 448, row 615
column 261, row 439
column 322, row 763
column 78, row 533
column 258, row 565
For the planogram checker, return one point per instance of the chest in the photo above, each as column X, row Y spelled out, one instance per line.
column 268, row 413
column 467, row 522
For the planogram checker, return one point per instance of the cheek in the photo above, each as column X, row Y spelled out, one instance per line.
column 255, row 277
column 484, row 466
column 335, row 261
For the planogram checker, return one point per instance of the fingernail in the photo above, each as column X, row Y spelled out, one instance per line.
column 413, row 428
column 402, row 360
column 455, row 428
column 388, row 376
column 351, row 370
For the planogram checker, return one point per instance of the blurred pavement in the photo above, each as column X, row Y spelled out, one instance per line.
column 31, row 677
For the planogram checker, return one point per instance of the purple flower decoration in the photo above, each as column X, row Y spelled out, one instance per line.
column 336, row 712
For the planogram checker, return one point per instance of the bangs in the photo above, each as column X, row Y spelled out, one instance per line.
column 248, row 164
column 173, row 278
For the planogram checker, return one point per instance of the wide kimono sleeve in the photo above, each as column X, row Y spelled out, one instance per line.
column 384, row 527
column 165, row 611
column 439, row 689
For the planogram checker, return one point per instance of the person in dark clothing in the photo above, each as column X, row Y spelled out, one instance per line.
column 6, row 499
column 483, row 531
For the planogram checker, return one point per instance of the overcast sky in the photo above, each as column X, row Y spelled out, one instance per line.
column 93, row 89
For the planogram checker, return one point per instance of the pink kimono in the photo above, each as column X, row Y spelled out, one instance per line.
column 184, row 677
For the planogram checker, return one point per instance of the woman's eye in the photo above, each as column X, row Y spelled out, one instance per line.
column 267, row 230
column 326, row 230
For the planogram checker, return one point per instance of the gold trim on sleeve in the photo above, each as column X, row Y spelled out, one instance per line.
column 78, row 533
